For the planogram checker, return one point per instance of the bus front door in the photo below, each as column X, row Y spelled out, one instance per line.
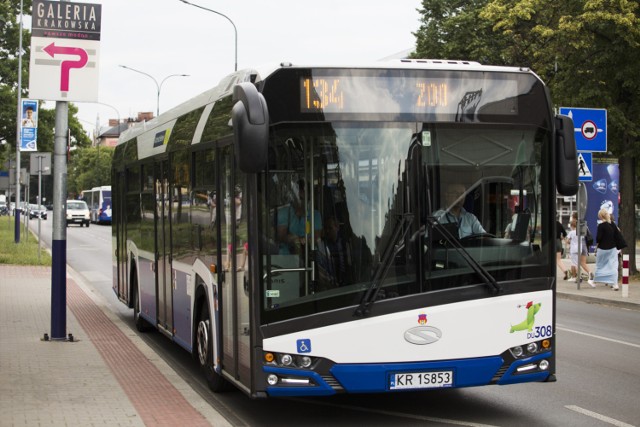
column 163, row 248
column 121, row 284
column 236, row 328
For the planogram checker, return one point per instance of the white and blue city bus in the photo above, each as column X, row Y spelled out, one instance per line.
column 291, row 227
column 98, row 200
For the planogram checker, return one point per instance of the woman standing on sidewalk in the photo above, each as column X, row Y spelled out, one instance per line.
column 606, row 252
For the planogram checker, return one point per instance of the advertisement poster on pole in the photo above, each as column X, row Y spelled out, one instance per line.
column 29, row 125
column 603, row 193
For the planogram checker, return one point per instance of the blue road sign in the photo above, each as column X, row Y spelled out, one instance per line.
column 590, row 126
column 585, row 166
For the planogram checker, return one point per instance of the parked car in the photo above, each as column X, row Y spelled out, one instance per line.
column 37, row 211
column 78, row 213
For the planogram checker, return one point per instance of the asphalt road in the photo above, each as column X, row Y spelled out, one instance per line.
column 598, row 371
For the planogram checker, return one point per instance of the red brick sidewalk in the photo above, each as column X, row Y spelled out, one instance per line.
column 106, row 376
column 155, row 398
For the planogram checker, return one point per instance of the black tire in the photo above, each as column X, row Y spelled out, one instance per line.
column 204, row 352
column 141, row 324
column 87, row 224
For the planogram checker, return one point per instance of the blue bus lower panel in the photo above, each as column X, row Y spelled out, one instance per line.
column 377, row 378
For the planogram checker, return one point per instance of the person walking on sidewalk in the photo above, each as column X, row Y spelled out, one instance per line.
column 606, row 252
column 587, row 241
column 561, row 234
column 572, row 239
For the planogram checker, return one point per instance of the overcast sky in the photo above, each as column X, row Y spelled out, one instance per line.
column 164, row 37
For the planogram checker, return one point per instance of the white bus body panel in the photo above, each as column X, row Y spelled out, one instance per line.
column 469, row 329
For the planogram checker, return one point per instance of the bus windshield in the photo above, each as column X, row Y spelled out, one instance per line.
column 406, row 207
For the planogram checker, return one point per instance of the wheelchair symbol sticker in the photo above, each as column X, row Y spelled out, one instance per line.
column 304, row 346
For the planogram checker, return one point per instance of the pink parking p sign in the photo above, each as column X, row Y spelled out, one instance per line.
column 65, row 43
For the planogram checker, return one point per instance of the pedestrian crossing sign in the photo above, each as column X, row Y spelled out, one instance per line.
column 585, row 166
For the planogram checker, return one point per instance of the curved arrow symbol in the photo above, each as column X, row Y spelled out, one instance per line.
column 66, row 66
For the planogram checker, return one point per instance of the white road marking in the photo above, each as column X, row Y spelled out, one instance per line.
column 404, row 415
column 598, row 337
column 598, row 417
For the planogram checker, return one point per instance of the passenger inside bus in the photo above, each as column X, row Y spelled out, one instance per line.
column 332, row 256
column 292, row 222
column 519, row 229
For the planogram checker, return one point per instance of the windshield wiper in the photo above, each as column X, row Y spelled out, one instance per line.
column 395, row 246
column 486, row 277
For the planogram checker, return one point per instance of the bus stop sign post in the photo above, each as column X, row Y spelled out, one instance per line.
column 59, row 238
column 53, row 56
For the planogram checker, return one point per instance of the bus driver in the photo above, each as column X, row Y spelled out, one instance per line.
column 455, row 213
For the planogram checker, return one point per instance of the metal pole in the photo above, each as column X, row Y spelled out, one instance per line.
column 579, row 236
column 59, row 240
column 235, row 30
column 9, row 194
column 162, row 82
column 26, row 216
column 18, row 129
column 39, row 204
column 158, row 86
column 625, row 275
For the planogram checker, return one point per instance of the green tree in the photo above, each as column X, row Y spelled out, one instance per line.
column 9, row 43
column 88, row 168
column 588, row 52
column 590, row 57
column 454, row 30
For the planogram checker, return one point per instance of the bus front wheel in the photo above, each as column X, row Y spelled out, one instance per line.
column 204, row 347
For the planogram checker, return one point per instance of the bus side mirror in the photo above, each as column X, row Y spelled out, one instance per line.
column 250, row 119
column 566, row 157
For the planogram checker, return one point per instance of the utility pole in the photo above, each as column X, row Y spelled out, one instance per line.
column 18, row 132
column 59, row 237
column 54, row 80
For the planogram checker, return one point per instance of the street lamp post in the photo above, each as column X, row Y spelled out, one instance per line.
column 228, row 19
column 18, row 131
column 158, row 86
column 117, row 113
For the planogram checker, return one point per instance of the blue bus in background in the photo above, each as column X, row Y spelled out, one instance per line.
column 99, row 201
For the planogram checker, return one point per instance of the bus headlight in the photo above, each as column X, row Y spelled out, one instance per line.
column 517, row 351
column 543, row 365
column 305, row 361
column 286, row 359
column 272, row 379
column 530, row 349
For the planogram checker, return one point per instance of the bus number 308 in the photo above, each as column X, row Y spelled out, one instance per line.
column 540, row 332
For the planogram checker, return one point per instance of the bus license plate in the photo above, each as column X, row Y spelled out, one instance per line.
column 433, row 379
